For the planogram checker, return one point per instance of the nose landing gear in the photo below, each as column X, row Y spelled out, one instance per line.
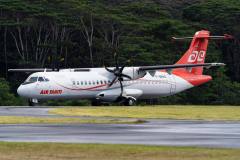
column 33, row 102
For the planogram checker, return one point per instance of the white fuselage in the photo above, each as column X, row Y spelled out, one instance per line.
column 94, row 85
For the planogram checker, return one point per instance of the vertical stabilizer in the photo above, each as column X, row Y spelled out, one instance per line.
column 197, row 51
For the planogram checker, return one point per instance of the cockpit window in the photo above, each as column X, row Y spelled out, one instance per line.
column 35, row 79
column 32, row 79
column 40, row 79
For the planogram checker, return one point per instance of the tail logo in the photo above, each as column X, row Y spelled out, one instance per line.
column 196, row 56
column 193, row 57
column 201, row 56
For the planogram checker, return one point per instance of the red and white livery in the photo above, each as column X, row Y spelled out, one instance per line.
column 126, row 84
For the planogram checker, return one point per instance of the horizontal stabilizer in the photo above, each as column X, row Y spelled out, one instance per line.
column 225, row 36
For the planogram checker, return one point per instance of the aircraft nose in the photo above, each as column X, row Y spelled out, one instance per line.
column 22, row 91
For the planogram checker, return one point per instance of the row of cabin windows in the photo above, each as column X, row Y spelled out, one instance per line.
column 91, row 82
column 108, row 82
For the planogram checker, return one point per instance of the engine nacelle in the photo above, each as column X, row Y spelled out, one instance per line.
column 134, row 72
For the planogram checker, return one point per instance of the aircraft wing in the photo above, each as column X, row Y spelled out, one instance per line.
column 31, row 70
column 143, row 68
column 169, row 67
column 47, row 70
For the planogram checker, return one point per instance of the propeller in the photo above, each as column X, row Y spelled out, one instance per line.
column 117, row 71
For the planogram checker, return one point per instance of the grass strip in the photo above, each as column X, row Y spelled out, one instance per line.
column 164, row 112
column 59, row 151
column 46, row 120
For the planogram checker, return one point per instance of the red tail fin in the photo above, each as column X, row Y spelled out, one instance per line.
column 197, row 51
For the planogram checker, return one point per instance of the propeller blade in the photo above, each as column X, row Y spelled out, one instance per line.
column 121, row 69
column 126, row 76
column 118, row 74
column 121, row 88
column 109, row 70
column 112, row 81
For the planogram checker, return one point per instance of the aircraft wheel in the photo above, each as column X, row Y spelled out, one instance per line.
column 32, row 102
column 129, row 102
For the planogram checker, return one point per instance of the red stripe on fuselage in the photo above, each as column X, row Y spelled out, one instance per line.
column 90, row 88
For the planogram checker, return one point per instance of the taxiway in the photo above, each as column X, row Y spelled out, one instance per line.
column 155, row 132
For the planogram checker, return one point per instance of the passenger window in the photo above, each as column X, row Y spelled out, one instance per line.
column 93, row 82
column 77, row 82
column 74, row 83
column 46, row 79
column 85, row 82
column 97, row 82
column 105, row 82
column 101, row 82
column 81, row 82
column 89, row 82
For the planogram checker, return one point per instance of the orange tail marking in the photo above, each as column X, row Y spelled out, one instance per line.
column 197, row 51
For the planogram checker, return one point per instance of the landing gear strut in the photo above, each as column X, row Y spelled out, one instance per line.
column 32, row 102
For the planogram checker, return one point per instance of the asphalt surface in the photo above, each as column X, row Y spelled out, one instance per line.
column 155, row 132
column 26, row 111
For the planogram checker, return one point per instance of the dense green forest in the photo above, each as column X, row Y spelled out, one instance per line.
column 86, row 33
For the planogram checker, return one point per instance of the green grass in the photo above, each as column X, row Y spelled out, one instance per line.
column 59, row 151
column 35, row 120
column 165, row 112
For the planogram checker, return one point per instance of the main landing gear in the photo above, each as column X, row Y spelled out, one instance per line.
column 126, row 101
column 32, row 102
column 129, row 102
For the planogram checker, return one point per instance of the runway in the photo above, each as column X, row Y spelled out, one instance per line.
column 155, row 132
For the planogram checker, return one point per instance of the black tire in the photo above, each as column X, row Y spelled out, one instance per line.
column 129, row 102
column 31, row 103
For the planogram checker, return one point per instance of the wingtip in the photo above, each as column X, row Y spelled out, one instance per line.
column 10, row 70
column 228, row 36
column 218, row 64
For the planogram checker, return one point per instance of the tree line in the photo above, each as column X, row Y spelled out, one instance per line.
column 85, row 33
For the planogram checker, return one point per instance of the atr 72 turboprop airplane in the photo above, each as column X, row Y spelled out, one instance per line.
column 120, row 83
